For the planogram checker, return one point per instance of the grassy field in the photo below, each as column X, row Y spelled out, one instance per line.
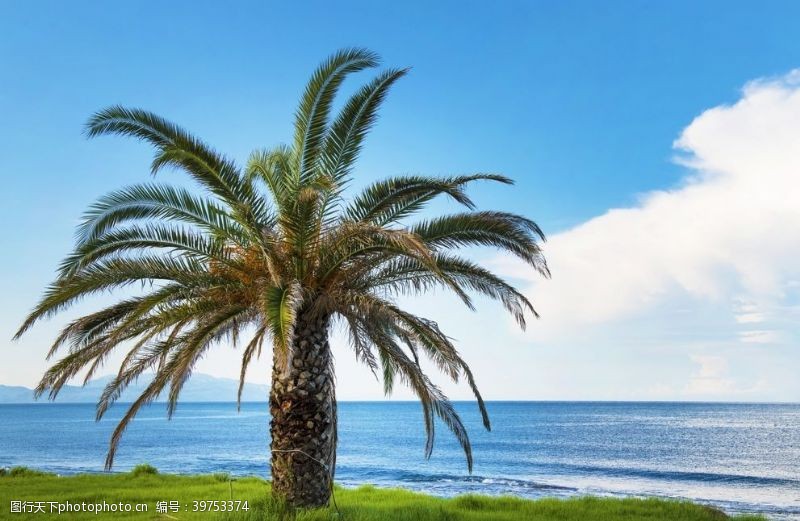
column 145, row 486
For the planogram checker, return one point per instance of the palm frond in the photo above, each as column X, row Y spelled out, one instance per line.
column 432, row 399
column 311, row 119
column 175, row 147
column 280, row 306
column 274, row 168
column 346, row 134
column 161, row 203
column 150, row 237
column 196, row 342
column 113, row 274
column 390, row 200
column 506, row 231
column 407, row 276
column 253, row 348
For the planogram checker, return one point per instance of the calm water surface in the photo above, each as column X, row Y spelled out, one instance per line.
column 740, row 457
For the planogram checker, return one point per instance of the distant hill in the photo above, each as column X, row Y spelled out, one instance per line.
column 199, row 388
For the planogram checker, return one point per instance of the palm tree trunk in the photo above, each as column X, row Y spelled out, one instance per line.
column 302, row 403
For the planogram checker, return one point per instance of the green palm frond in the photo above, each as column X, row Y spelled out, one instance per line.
column 195, row 343
column 81, row 331
column 162, row 203
column 175, row 147
column 390, row 200
column 114, row 274
column 280, row 307
column 433, row 401
column 175, row 240
column 253, row 349
column 273, row 167
column 408, row 277
column 151, row 392
column 505, row 231
column 346, row 134
column 311, row 121
column 142, row 358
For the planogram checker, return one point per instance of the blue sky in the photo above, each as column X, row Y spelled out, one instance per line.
column 580, row 102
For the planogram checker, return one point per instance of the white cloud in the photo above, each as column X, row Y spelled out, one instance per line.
column 729, row 234
column 760, row 336
column 710, row 366
column 710, row 377
column 750, row 318
column 749, row 313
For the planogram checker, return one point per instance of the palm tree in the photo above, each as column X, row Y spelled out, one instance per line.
column 276, row 252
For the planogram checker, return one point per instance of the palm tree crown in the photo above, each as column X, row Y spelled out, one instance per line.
column 262, row 244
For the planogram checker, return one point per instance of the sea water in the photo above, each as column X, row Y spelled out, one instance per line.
column 738, row 457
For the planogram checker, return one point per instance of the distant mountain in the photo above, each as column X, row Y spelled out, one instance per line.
column 199, row 388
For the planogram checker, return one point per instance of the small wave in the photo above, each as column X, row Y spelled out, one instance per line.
column 404, row 476
column 676, row 475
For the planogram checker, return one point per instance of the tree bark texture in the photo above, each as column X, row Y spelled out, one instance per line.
column 303, row 427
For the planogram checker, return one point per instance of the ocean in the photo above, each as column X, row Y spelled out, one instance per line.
column 738, row 457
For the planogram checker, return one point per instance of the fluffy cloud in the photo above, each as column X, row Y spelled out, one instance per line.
column 710, row 377
column 728, row 234
column 712, row 380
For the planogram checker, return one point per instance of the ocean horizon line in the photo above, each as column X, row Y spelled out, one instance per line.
column 389, row 401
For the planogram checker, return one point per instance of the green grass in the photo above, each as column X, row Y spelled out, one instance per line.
column 143, row 469
column 145, row 485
